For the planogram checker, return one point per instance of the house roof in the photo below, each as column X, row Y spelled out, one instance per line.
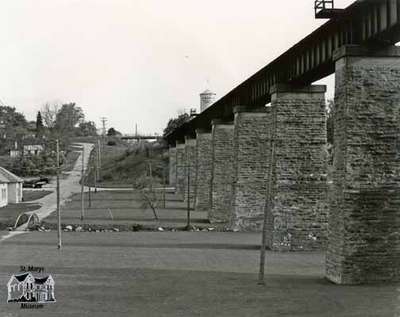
column 3, row 179
column 41, row 280
column 21, row 277
column 9, row 177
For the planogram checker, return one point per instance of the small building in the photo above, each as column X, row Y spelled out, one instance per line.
column 15, row 153
column 14, row 186
column 28, row 146
column 3, row 191
column 33, row 149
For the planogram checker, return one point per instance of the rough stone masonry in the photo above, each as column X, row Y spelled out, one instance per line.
column 204, row 170
column 364, row 222
column 172, row 166
column 251, row 161
column 298, row 217
column 180, row 168
column 222, row 175
column 190, row 170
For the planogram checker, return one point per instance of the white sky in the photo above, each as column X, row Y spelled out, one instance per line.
column 140, row 61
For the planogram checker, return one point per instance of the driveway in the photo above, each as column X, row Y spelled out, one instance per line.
column 68, row 186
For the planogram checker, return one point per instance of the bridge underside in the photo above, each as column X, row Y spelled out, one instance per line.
column 260, row 166
column 369, row 23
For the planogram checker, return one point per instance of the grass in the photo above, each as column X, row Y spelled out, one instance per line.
column 122, row 165
column 30, row 195
column 9, row 213
column 70, row 160
column 124, row 209
column 184, row 274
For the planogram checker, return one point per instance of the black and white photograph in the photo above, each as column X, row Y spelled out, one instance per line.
column 214, row 158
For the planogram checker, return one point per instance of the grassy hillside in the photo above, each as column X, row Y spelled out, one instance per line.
column 121, row 164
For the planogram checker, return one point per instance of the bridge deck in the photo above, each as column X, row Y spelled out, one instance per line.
column 372, row 23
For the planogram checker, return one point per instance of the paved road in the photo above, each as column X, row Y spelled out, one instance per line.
column 69, row 185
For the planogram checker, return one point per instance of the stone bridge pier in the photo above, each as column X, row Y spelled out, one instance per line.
column 190, row 170
column 364, row 222
column 222, row 172
column 180, row 168
column 298, row 217
column 204, row 170
column 172, row 166
column 250, row 165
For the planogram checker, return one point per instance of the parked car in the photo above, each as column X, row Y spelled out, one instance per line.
column 33, row 183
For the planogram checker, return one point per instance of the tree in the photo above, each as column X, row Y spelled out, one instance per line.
column 87, row 128
column 145, row 188
column 68, row 117
column 175, row 123
column 39, row 124
column 113, row 132
column 49, row 114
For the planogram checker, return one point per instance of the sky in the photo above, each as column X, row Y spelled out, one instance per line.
column 141, row 61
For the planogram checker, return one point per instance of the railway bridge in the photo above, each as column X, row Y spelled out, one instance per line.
column 266, row 141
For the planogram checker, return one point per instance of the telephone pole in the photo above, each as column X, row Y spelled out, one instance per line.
column 83, row 184
column 98, row 160
column 103, row 123
column 58, row 196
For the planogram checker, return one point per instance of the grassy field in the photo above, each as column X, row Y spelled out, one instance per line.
column 30, row 195
column 122, row 165
column 205, row 274
column 9, row 214
column 124, row 209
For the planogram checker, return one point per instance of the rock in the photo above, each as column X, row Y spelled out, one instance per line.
column 116, row 229
column 204, row 229
column 78, row 229
column 160, row 229
column 211, row 229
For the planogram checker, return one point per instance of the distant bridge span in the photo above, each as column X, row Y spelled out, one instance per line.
column 140, row 137
column 374, row 24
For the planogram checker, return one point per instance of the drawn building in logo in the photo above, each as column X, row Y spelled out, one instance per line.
column 25, row 287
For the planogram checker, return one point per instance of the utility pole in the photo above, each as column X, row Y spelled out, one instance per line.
column 188, row 225
column 58, row 196
column 83, row 184
column 90, row 196
column 95, row 177
column 98, row 160
column 103, row 123
column 267, row 210
column 164, row 183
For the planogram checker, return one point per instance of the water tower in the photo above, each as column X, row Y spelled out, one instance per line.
column 207, row 98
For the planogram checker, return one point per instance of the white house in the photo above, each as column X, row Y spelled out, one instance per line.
column 32, row 149
column 14, row 186
column 3, row 191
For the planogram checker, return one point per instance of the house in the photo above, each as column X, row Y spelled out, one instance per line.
column 14, row 186
column 33, row 149
column 3, row 190
column 27, row 146
column 27, row 288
